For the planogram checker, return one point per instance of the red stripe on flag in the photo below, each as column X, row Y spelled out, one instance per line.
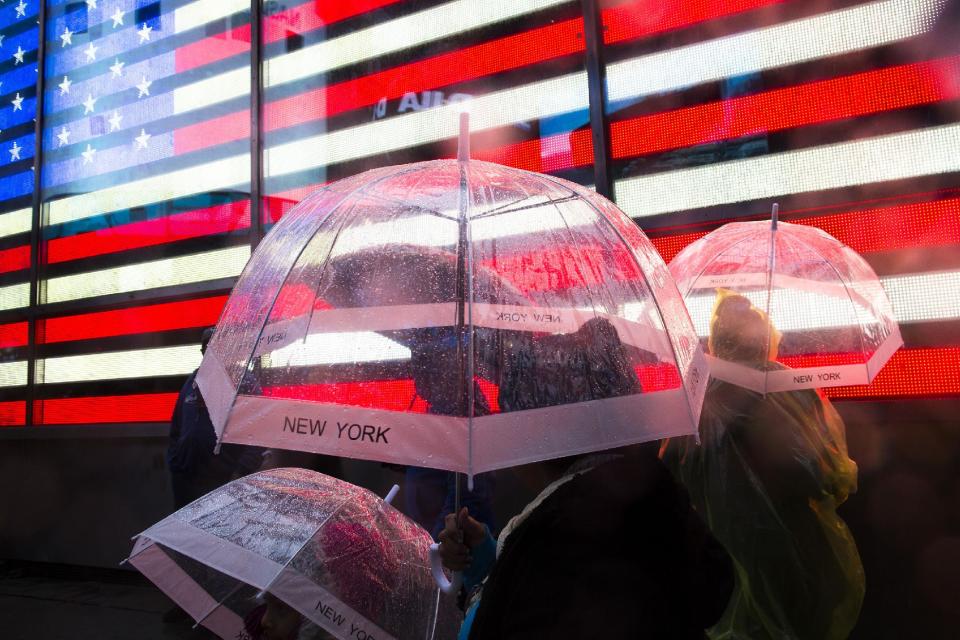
column 512, row 52
column 14, row 259
column 222, row 218
column 13, row 334
column 561, row 267
column 906, row 226
column 814, row 103
column 546, row 155
column 142, row 407
column 658, row 377
column 910, row 373
column 391, row 395
column 13, row 413
column 168, row 316
column 207, row 133
column 217, row 47
column 648, row 17
column 277, row 205
column 292, row 21
column 308, row 16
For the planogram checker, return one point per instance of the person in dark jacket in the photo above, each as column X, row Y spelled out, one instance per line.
column 194, row 469
column 613, row 551
column 611, row 546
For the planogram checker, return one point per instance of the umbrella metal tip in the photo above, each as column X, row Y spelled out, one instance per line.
column 774, row 215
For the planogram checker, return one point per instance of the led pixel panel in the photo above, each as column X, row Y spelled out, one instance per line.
column 380, row 82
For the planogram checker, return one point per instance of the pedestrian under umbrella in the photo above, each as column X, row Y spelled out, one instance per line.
column 768, row 476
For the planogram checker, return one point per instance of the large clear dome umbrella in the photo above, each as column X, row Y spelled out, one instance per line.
column 786, row 306
column 453, row 314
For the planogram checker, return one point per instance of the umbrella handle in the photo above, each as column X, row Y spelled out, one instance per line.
column 436, row 567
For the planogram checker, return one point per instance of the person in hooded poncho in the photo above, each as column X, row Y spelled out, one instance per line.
column 768, row 477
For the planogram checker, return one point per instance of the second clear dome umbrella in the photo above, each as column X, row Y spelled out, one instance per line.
column 786, row 306
column 453, row 314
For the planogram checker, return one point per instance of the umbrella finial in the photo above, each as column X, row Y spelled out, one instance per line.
column 774, row 215
column 463, row 144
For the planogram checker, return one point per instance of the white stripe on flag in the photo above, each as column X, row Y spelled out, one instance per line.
column 212, row 90
column 114, row 365
column 13, row 374
column 198, row 14
column 15, row 222
column 14, row 296
column 223, row 263
column 821, row 36
column 528, row 102
column 910, row 296
column 213, row 176
column 921, row 152
column 409, row 31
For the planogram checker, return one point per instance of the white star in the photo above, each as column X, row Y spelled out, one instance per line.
column 88, row 104
column 18, row 55
column 15, row 151
column 65, row 85
column 144, row 87
column 22, row 10
column 145, row 33
column 91, row 52
column 142, row 139
column 88, row 154
column 91, row 4
column 117, row 18
column 66, row 37
column 115, row 121
column 116, row 68
column 63, row 137
column 17, row 103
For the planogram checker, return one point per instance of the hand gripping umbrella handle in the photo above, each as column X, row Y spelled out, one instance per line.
column 436, row 566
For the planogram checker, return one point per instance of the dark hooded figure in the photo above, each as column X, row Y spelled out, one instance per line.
column 610, row 547
column 768, row 477
column 194, row 469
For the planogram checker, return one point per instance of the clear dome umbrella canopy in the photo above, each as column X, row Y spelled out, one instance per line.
column 785, row 306
column 335, row 552
column 459, row 315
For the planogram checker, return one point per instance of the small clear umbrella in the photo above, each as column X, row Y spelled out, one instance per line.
column 336, row 553
column 786, row 306
column 401, row 315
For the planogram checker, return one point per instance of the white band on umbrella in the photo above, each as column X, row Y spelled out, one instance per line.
column 354, row 432
column 509, row 439
column 214, row 551
column 500, row 440
column 320, row 606
column 217, row 389
column 170, row 578
column 494, row 316
column 746, row 376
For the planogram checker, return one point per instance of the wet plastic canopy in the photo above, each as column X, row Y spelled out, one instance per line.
column 785, row 306
column 336, row 553
column 458, row 315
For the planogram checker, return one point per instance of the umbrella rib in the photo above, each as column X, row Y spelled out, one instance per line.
column 646, row 281
column 846, row 289
column 500, row 210
column 304, row 544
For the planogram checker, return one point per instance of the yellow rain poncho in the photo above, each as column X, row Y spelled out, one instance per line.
column 768, row 478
